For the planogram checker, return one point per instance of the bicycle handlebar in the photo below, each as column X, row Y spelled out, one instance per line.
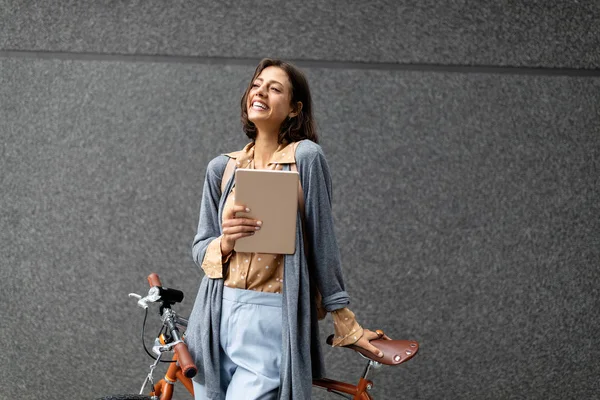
column 154, row 280
column 183, row 355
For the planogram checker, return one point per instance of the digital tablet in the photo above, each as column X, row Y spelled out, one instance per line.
column 272, row 197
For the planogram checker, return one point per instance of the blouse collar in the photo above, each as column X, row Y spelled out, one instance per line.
column 283, row 155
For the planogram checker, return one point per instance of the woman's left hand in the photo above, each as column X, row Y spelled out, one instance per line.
column 365, row 341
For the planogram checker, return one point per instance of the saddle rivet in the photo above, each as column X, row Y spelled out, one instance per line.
column 413, row 345
column 408, row 352
column 397, row 358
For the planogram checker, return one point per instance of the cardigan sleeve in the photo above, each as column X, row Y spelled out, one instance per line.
column 323, row 251
column 209, row 228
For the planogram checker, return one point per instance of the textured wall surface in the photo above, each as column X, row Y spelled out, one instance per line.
column 533, row 33
column 466, row 202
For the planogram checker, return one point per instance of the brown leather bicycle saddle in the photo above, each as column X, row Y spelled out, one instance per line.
column 394, row 351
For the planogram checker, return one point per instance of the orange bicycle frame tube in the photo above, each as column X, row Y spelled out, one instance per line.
column 359, row 391
column 164, row 387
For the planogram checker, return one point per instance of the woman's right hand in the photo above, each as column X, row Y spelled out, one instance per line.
column 235, row 228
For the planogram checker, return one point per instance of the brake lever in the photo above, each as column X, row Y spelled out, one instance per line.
column 153, row 296
column 159, row 348
column 142, row 301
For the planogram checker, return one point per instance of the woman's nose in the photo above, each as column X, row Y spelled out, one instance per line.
column 260, row 90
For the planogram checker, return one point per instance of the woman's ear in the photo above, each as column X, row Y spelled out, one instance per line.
column 296, row 111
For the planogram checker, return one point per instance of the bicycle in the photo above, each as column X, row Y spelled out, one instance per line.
column 182, row 368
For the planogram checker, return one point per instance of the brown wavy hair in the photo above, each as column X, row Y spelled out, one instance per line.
column 294, row 129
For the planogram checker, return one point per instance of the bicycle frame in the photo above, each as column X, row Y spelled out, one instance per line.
column 358, row 391
column 398, row 351
column 164, row 388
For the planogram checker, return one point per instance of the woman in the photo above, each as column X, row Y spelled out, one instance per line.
column 253, row 331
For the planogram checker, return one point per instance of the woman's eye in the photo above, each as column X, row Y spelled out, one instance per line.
column 255, row 85
column 277, row 90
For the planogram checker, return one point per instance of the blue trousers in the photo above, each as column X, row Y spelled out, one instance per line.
column 250, row 351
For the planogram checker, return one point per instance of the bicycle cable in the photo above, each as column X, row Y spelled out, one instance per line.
column 144, row 343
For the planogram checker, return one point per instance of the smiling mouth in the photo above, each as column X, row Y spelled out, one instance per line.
column 257, row 105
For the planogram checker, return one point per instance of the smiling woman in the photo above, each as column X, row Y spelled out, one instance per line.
column 282, row 79
column 254, row 322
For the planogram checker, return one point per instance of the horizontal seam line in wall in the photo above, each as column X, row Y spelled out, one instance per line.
column 327, row 64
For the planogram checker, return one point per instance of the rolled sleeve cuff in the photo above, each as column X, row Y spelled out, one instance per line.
column 214, row 260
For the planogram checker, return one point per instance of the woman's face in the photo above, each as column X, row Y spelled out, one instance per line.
column 269, row 98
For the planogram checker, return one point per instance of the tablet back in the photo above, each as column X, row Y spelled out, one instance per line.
column 272, row 197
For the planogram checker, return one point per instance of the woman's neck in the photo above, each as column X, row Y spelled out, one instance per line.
column 264, row 147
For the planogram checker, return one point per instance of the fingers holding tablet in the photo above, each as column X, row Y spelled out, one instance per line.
column 236, row 227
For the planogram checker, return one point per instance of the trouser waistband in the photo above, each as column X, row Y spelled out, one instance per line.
column 252, row 297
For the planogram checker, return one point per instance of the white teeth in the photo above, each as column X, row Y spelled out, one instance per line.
column 260, row 105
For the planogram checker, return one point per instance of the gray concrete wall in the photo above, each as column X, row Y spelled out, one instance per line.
column 464, row 143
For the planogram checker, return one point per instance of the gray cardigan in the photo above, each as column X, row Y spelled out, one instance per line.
column 321, row 267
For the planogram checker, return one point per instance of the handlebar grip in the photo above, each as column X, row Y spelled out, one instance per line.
column 185, row 360
column 154, row 280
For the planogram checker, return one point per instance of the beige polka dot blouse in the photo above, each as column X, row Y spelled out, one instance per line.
column 264, row 272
